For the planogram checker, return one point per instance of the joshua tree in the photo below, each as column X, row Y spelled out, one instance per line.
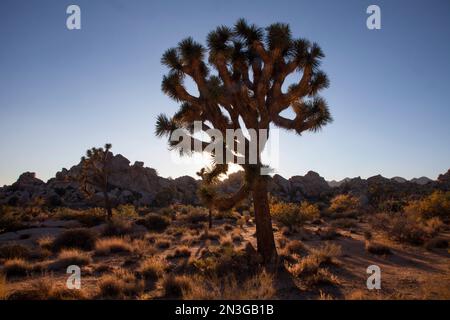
column 241, row 87
column 206, row 193
column 95, row 172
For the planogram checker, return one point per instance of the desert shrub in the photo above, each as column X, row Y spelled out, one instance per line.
column 195, row 215
column 88, row 218
column 392, row 205
column 11, row 219
column 408, row 230
column 381, row 221
column 292, row 215
column 377, row 248
column 257, row 287
column 69, row 257
column 436, row 204
column 288, row 214
column 10, row 251
column 152, row 268
column 79, row 238
column 117, row 227
column 126, row 211
column 154, row 222
column 16, row 268
column 309, row 211
column 344, row 206
column 225, row 259
column 112, row 245
column 120, row 284
column 169, row 212
column 175, row 286
column 180, row 252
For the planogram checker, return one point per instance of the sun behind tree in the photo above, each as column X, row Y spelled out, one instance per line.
column 241, row 88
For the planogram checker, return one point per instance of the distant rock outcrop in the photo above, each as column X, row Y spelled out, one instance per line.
column 139, row 185
column 422, row 180
column 127, row 184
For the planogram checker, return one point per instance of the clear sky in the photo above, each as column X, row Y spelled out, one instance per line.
column 63, row 91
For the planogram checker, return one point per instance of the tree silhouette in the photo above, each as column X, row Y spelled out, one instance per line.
column 241, row 87
column 206, row 192
column 96, row 168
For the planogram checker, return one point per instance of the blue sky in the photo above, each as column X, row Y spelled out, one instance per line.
column 63, row 91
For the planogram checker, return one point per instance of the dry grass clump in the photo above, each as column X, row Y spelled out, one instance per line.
column 195, row 215
column 162, row 243
column 79, row 238
column 45, row 242
column 11, row 251
column 16, row 267
column 180, row 252
column 88, row 217
column 236, row 237
column 295, row 247
column 377, row 248
column 323, row 277
column 258, row 287
column 119, row 285
column 317, row 258
column 210, row 235
column 310, row 269
column 327, row 253
column 154, row 222
column 176, row 286
column 152, row 268
column 68, row 257
column 106, row 246
column 117, row 227
column 45, row 289
column 225, row 259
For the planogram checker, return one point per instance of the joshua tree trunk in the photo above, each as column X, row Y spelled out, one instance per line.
column 264, row 233
column 108, row 209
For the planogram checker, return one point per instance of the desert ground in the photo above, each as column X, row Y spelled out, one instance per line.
column 170, row 253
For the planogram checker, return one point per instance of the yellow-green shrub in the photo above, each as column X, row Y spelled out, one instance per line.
column 436, row 204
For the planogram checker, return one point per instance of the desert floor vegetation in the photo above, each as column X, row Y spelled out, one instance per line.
column 171, row 253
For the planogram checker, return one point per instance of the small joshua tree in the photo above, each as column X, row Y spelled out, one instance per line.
column 95, row 171
column 241, row 87
column 206, row 192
